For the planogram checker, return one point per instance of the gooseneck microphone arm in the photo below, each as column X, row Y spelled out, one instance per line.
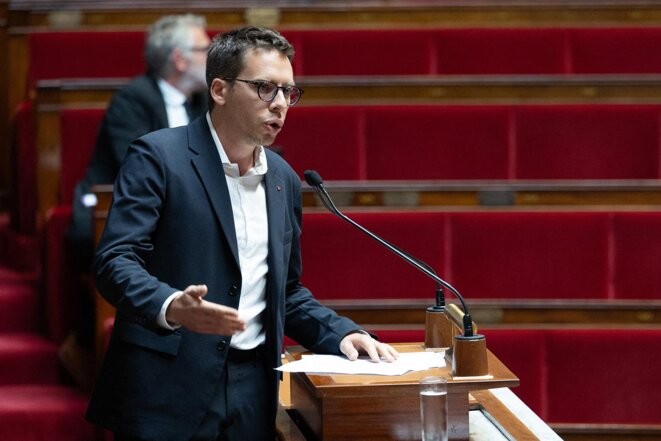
column 314, row 180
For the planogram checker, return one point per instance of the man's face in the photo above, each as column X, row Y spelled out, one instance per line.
column 258, row 122
column 195, row 74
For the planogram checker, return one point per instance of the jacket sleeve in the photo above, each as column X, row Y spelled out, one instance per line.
column 315, row 326
column 138, row 197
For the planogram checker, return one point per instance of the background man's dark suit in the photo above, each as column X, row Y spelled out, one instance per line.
column 171, row 225
column 135, row 110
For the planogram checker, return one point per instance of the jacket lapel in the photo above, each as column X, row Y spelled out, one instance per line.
column 207, row 164
column 275, row 203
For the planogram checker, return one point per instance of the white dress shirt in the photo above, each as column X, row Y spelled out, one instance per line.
column 174, row 104
column 248, row 198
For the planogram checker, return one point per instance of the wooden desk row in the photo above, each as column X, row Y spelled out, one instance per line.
column 456, row 89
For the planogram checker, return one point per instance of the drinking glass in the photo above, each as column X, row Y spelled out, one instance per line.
column 434, row 408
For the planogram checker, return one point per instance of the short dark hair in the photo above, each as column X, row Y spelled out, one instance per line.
column 227, row 50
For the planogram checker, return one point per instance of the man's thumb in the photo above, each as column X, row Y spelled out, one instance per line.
column 198, row 291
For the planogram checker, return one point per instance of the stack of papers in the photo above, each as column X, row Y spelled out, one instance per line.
column 334, row 364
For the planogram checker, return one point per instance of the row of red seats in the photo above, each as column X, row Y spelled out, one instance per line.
column 441, row 142
column 481, row 141
column 412, row 142
column 487, row 255
column 503, row 254
column 577, row 376
column 454, row 51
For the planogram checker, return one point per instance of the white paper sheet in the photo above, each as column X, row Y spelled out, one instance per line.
column 334, row 364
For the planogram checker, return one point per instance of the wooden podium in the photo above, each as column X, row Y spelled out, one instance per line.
column 369, row 407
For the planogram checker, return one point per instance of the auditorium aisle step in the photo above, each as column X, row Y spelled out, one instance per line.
column 37, row 400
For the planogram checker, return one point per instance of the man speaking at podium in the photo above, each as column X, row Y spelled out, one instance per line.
column 201, row 257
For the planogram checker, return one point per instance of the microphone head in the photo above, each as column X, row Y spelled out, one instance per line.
column 312, row 178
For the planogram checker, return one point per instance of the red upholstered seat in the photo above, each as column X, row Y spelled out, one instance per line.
column 437, row 142
column 480, row 51
column 529, row 255
column 39, row 412
column 363, row 52
column 20, row 260
column 329, row 139
column 24, row 157
column 614, row 50
column 604, row 376
column 637, row 246
column 19, row 310
column 340, row 262
column 63, row 285
column 523, row 352
column 26, row 358
column 587, row 142
column 85, row 54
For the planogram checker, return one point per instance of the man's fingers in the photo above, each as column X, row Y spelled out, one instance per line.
column 354, row 343
column 198, row 291
column 193, row 312
column 388, row 352
column 348, row 349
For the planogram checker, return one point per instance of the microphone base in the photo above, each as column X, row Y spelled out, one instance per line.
column 469, row 356
column 439, row 330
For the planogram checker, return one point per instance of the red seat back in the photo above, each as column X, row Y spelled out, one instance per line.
column 604, row 376
column 637, row 253
column 328, row 139
column 437, row 142
column 489, row 51
column 340, row 262
column 587, row 142
column 78, row 131
column 616, row 50
column 529, row 255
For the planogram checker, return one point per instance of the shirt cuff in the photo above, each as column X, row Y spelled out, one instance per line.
column 362, row 331
column 161, row 320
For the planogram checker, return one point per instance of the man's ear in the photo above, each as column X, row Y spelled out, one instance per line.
column 218, row 91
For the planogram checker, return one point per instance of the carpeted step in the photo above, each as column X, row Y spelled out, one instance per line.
column 19, row 310
column 43, row 412
column 28, row 359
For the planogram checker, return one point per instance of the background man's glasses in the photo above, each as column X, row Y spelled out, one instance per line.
column 267, row 90
column 199, row 48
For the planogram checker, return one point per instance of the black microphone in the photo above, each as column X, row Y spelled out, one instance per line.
column 314, row 180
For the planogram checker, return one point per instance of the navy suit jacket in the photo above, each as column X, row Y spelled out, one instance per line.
column 171, row 225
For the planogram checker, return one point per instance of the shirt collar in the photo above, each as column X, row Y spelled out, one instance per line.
column 171, row 95
column 259, row 155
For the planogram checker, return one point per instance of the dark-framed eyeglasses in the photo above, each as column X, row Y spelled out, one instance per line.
column 267, row 90
column 199, row 48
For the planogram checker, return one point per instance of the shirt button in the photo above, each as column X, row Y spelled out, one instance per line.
column 234, row 290
column 221, row 346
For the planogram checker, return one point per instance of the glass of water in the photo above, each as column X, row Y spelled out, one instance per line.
column 434, row 408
